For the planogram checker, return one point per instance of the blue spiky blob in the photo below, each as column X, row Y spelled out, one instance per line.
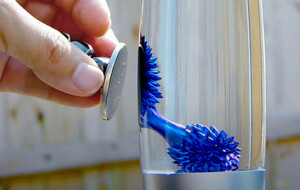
column 149, row 77
column 194, row 148
column 206, row 150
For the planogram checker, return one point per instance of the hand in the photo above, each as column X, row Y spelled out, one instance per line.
column 37, row 60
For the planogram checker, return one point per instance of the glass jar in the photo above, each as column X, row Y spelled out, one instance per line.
column 201, row 62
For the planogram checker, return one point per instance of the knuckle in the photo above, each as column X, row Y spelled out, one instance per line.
column 56, row 49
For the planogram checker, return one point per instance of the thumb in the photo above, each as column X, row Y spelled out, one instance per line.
column 52, row 58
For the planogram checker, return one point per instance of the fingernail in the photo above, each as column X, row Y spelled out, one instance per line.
column 87, row 78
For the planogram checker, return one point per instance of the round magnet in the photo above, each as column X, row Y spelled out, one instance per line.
column 115, row 73
column 114, row 69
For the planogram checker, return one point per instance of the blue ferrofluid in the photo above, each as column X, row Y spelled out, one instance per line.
column 193, row 148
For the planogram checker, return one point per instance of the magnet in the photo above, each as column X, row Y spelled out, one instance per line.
column 114, row 69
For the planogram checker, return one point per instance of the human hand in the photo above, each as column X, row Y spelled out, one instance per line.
column 37, row 60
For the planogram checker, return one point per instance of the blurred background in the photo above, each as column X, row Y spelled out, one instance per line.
column 45, row 146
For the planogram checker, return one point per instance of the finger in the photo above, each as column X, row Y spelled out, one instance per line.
column 21, row 2
column 92, row 16
column 65, row 23
column 105, row 45
column 52, row 15
column 53, row 59
column 20, row 79
column 66, row 5
column 43, row 11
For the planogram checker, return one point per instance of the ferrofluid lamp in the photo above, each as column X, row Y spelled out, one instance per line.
column 202, row 95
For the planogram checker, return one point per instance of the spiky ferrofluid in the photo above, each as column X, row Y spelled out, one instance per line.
column 206, row 150
column 200, row 149
column 148, row 77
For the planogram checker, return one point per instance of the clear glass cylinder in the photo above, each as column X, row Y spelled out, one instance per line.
column 207, row 68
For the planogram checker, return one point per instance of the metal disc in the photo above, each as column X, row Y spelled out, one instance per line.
column 114, row 82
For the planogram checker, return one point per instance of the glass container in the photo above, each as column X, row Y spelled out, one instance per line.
column 201, row 62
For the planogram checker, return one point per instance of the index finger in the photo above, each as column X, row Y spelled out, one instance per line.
column 92, row 16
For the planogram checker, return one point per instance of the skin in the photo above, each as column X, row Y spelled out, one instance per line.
column 37, row 60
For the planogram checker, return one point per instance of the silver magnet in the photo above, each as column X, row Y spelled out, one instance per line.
column 114, row 70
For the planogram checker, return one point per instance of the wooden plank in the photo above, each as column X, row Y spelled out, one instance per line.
column 283, row 169
column 63, row 156
column 124, row 175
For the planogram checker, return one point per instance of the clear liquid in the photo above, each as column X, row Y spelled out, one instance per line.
column 154, row 153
